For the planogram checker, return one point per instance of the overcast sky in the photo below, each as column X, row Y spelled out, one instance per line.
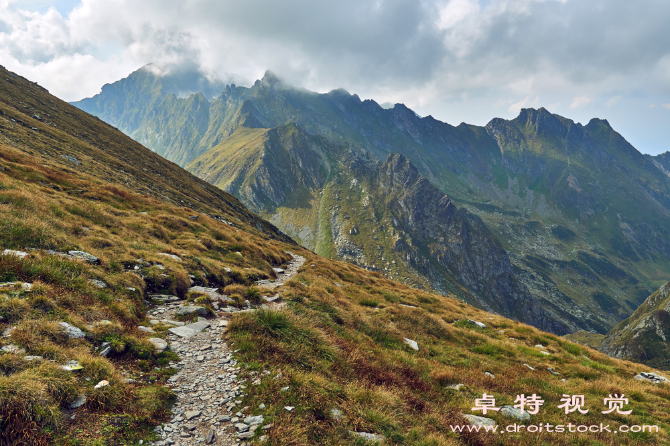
column 458, row 60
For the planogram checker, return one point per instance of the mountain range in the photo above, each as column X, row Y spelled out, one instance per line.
column 564, row 224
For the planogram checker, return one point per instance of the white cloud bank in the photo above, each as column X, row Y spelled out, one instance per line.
column 454, row 59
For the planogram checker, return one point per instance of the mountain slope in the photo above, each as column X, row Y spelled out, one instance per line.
column 65, row 134
column 643, row 337
column 581, row 213
column 382, row 216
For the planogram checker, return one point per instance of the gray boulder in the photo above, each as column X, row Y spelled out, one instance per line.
column 476, row 420
column 516, row 413
column 72, row 331
column 159, row 343
column 188, row 310
column 84, row 256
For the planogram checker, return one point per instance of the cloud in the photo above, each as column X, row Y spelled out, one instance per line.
column 524, row 103
column 450, row 58
column 581, row 101
column 666, row 106
column 613, row 101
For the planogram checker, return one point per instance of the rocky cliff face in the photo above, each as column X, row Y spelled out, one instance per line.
column 644, row 337
column 434, row 237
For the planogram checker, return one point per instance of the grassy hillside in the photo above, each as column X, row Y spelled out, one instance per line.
column 43, row 125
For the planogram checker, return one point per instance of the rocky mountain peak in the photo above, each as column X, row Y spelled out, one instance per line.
column 543, row 122
column 272, row 81
column 398, row 169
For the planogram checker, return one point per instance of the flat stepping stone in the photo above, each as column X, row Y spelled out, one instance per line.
column 186, row 331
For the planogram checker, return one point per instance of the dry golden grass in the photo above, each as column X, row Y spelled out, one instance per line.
column 119, row 227
column 338, row 350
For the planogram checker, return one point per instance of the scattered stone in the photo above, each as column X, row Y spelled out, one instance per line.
column 191, row 309
column 529, row 367
column 14, row 285
column 106, row 351
column 80, row 401
column 368, row 436
column 552, row 371
column 172, row 256
column 211, row 292
column 211, row 436
column 539, row 346
column 457, row 386
column 98, row 283
column 412, row 344
column 11, row 252
column 478, row 324
column 514, row 412
column 11, row 348
column 545, row 353
column 164, row 297
column 186, row 331
column 159, row 343
column 71, row 159
column 72, row 331
column 102, row 383
column 192, row 414
column 651, row 377
column 336, row 414
column 32, row 358
column 252, row 421
column 84, row 256
column 289, row 408
column 476, row 420
column 489, row 374
column 72, row 366
column 145, row 329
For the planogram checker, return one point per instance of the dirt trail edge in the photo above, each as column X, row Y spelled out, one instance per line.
column 208, row 384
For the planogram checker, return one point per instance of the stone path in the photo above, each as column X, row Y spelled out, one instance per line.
column 208, row 385
column 283, row 274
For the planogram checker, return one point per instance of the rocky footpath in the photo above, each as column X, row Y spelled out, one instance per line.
column 208, row 384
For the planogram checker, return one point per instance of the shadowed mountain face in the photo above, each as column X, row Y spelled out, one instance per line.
column 581, row 214
column 643, row 337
